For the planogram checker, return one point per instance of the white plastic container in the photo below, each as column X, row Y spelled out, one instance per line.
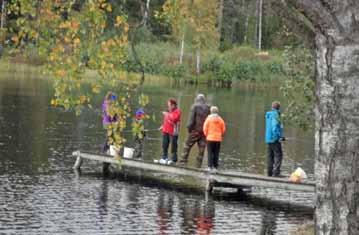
column 113, row 150
column 128, row 152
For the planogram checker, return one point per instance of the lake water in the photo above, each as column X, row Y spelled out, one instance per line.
column 41, row 194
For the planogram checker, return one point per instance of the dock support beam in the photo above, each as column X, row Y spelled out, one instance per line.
column 78, row 162
column 106, row 168
column 209, row 185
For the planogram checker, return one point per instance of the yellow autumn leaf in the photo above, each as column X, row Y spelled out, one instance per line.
column 53, row 102
column 109, row 8
column 77, row 41
column 96, row 89
column 60, row 73
column 83, row 99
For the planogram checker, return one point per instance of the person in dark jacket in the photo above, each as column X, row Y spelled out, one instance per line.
column 198, row 114
column 273, row 136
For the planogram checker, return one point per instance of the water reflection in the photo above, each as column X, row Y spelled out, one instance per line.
column 268, row 223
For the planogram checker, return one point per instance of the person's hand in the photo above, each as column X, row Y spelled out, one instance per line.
column 164, row 113
column 160, row 128
column 282, row 139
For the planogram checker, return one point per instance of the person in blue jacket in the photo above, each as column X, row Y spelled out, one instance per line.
column 273, row 138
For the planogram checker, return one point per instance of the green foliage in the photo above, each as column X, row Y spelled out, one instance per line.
column 78, row 38
column 240, row 63
column 298, row 89
column 138, row 126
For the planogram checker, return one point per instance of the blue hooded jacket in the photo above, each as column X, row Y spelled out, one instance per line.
column 274, row 127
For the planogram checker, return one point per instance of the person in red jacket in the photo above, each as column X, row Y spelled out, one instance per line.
column 213, row 128
column 170, row 130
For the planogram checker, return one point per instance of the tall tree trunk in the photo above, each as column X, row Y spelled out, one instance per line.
column 337, row 136
column 3, row 14
column 220, row 17
column 182, row 50
column 198, row 61
column 246, row 20
column 257, row 23
column 146, row 13
column 260, row 25
column 336, row 24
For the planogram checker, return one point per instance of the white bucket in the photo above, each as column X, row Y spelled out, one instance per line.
column 113, row 150
column 128, row 152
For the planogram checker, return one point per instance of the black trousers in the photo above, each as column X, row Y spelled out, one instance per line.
column 213, row 148
column 138, row 147
column 167, row 139
column 274, row 158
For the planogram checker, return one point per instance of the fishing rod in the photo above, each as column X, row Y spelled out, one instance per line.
column 298, row 139
column 147, row 130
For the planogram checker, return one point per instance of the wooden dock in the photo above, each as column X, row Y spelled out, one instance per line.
column 218, row 179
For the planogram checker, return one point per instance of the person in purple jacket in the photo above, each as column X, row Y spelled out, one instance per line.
column 107, row 119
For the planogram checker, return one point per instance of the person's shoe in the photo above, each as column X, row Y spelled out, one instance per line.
column 155, row 160
column 163, row 161
column 169, row 162
column 209, row 169
column 214, row 170
column 279, row 176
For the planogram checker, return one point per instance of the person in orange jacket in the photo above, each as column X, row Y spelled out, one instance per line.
column 214, row 129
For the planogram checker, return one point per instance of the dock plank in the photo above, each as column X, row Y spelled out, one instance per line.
column 221, row 177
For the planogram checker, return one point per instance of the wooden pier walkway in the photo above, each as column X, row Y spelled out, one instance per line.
column 218, row 179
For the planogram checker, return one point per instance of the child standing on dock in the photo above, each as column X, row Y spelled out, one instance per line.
column 170, row 131
column 214, row 129
column 138, row 129
column 107, row 119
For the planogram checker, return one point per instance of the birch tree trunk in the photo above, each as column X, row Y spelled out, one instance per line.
column 182, row 50
column 257, row 23
column 260, row 25
column 145, row 14
column 220, row 17
column 198, row 61
column 3, row 14
column 246, row 13
column 336, row 24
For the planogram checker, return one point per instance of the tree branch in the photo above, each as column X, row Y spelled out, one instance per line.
column 318, row 13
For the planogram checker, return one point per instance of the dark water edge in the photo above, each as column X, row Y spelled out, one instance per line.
column 41, row 194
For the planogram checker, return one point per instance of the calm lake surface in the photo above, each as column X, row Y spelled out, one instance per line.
column 41, row 194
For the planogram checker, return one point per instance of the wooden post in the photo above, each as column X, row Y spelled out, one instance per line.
column 209, row 185
column 106, row 168
column 78, row 162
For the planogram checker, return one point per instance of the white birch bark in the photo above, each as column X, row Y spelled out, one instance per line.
column 246, row 21
column 182, row 50
column 198, row 61
column 220, row 16
column 3, row 14
column 337, row 113
column 260, row 25
column 257, row 23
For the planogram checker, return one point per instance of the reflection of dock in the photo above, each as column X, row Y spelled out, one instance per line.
column 219, row 179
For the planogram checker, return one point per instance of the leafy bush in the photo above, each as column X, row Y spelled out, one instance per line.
column 298, row 88
column 239, row 63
